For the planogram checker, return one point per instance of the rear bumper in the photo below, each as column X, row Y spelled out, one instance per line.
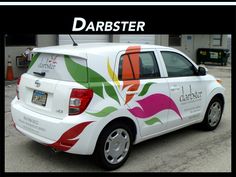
column 71, row 134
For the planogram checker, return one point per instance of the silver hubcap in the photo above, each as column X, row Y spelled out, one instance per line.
column 117, row 146
column 214, row 114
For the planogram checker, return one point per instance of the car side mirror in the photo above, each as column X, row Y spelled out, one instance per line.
column 201, row 71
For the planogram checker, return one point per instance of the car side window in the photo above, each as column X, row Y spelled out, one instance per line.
column 135, row 66
column 177, row 65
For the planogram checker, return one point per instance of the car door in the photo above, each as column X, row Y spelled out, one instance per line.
column 186, row 87
column 143, row 89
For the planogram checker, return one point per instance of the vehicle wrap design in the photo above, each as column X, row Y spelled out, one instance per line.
column 150, row 105
column 153, row 104
column 70, row 137
column 134, row 84
column 79, row 74
column 33, row 60
column 104, row 112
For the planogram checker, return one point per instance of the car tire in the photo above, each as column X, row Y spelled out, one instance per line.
column 213, row 114
column 113, row 146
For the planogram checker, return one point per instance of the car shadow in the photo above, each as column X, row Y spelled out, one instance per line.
column 84, row 163
column 66, row 162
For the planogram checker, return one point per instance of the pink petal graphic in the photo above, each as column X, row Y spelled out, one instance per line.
column 153, row 104
column 65, row 142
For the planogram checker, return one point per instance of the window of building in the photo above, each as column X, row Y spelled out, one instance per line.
column 21, row 40
column 217, row 40
column 138, row 66
column 175, row 40
column 177, row 65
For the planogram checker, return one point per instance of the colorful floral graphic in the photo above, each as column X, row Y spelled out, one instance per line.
column 33, row 60
column 112, row 74
column 152, row 105
column 152, row 121
column 67, row 140
column 89, row 78
column 145, row 88
column 103, row 113
column 130, row 66
column 95, row 80
column 149, row 106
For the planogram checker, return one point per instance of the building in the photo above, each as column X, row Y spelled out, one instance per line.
column 15, row 45
column 229, row 47
column 187, row 43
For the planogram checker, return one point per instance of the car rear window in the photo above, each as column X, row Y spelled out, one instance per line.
column 58, row 67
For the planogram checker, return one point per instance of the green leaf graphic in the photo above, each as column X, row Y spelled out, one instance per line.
column 145, row 88
column 33, row 60
column 111, row 91
column 153, row 121
column 78, row 72
column 96, row 81
column 103, row 113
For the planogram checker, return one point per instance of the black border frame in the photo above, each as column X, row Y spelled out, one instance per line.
column 225, row 15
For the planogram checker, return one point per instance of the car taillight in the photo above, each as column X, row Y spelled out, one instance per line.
column 17, row 87
column 79, row 100
column 219, row 80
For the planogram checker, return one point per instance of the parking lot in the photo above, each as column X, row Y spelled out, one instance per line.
column 185, row 150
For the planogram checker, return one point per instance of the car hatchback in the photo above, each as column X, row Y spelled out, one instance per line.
column 102, row 98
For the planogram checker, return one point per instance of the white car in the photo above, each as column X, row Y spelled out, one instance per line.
column 102, row 98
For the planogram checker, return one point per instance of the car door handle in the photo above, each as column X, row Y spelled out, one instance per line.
column 174, row 87
column 131, row 92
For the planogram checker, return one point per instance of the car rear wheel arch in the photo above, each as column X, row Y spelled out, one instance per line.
column 123, row 124
column 126, row 121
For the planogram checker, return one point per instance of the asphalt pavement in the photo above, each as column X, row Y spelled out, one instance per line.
column 185, row 150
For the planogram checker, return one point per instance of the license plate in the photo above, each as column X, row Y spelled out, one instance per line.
column 39, row 98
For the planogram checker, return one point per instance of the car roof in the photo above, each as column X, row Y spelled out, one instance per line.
column 97, row 48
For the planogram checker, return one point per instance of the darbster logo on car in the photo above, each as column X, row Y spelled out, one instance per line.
column 48, row 63
column 190, row 96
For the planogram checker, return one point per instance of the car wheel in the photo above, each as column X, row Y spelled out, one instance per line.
column 113, row 146
column 213, row 114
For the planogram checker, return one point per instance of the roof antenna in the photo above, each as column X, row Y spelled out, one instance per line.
column 74, row 43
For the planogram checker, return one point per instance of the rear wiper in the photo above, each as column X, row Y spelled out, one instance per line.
column 40, row 74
